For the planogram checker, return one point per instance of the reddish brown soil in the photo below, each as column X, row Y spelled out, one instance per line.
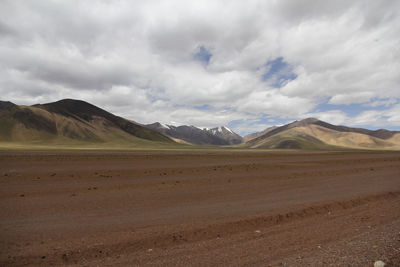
column 199, row 208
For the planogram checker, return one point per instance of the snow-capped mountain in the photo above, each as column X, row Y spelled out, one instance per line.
column 226, row 134
column 191, row 134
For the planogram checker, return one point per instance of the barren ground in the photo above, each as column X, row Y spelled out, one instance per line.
column 199, row 208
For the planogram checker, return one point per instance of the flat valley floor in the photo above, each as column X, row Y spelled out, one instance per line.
column 205, row 208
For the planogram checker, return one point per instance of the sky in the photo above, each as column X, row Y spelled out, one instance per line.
column 244, row 64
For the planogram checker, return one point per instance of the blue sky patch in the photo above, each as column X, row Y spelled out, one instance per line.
column 350, row 109
column 203, row 107
column 279, row 72
column 203, row 55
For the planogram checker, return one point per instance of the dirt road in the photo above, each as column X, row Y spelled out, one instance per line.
column 199, row 208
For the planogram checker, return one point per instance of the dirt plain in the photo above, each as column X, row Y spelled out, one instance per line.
column 180, row 208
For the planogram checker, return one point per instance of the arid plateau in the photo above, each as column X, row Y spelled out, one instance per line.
column 197, row 208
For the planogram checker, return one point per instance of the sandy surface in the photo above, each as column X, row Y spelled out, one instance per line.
column 199, row 208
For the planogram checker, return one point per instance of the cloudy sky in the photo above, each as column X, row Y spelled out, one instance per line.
column 244, row 64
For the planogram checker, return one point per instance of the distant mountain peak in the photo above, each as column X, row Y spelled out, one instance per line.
column 161, row 125
column 220, row 135
column 165, row 126
column 304, row 122
column 309, row 120
column 219, row 129
column 69, row 102
column 225, row 133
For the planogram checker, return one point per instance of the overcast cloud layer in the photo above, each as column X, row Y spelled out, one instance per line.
column 245, row 64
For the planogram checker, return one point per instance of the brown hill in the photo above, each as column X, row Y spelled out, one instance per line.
column 315, row 134
column 71, row 120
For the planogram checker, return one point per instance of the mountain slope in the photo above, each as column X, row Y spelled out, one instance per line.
column 315, row 134
column 381, row 133
column 6, row 105
column 258, row 134
column 216, row 136
column 72, row 120
column 292, row 140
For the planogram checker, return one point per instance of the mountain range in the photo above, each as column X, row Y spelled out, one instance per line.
column 72, row 122
column 192, row 135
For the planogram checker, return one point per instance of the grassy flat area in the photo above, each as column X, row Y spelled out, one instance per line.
column 153, row 146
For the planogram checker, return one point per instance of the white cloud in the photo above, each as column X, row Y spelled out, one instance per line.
column 369, row 117
column 383, row 102
column 274, row 103
column 352, row 98
column 137, row 58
